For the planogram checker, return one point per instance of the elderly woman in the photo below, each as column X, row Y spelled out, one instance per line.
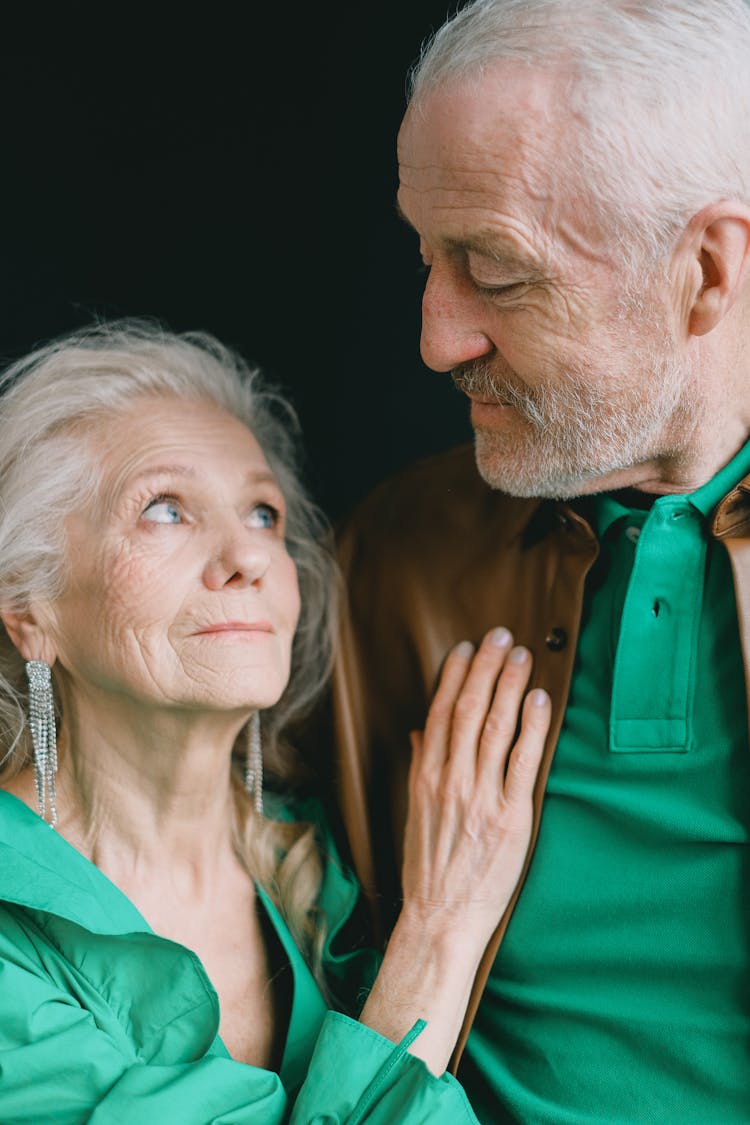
column 170, row 936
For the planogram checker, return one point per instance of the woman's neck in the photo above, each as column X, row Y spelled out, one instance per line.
column 139, row 792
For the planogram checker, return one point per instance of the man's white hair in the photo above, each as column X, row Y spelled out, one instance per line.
column 658, row 94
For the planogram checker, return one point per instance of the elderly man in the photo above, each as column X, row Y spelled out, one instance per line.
column 578, row 175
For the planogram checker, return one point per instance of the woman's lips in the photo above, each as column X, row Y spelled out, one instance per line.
column 237, row 627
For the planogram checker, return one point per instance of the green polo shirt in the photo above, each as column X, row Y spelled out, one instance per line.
column 622, row 990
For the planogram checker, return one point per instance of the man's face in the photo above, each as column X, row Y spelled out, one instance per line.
column 573, row 366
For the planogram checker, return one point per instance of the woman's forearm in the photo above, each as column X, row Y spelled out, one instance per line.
column 427, row 973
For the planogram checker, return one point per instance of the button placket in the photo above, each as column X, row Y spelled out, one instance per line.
column 652, row 697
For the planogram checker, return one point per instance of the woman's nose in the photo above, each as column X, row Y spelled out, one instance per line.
column 241, row 560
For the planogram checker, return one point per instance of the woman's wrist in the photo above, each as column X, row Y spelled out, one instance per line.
column 445, row 931
column 427, row 973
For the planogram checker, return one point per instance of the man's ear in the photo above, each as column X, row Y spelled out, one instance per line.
column 28, row 635
column 717, row 246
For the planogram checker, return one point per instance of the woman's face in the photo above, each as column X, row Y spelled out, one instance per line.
column 181, row 591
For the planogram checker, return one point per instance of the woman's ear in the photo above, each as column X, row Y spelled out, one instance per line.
column 28, row 635
column 717, row 245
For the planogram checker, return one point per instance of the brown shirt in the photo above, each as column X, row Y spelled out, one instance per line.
column 432, row 557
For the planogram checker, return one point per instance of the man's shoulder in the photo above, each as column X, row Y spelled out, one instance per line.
column 435, row 498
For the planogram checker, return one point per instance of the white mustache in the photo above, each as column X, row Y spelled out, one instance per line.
column 475, row 378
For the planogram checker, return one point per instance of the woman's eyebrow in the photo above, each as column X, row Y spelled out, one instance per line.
column 163, row 471
column 125, row 484
column 253, row 476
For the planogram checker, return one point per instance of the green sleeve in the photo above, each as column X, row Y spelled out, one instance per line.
column 358, row 1076
column 59, row 1067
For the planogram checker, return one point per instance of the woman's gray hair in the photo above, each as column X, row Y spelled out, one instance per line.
column 657, row 94
column 48, row 402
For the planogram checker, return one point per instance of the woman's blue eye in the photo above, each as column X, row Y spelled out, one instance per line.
column 162, row 511
column 263, row 516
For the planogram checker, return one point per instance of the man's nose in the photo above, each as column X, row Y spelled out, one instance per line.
column 241, row 558
column 451, row 314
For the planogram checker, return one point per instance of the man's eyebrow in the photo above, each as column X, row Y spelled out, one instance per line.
column 487, row 245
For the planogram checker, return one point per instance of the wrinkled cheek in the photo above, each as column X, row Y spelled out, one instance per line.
column 291, row 604
column 527, row 354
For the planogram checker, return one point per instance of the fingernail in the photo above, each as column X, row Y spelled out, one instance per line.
column 518, row 655
column 500, row 637
column 538, row 698
column 466, row 648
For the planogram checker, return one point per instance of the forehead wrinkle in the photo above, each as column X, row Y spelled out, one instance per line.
column 498, row 146
column 492, row 189
column 509, row 150
column 481, row 173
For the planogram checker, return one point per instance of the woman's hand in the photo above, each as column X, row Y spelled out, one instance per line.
column 470, row 789
column 467, row 835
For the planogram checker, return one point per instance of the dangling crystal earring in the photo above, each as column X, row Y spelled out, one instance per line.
column 43, row 736
column 254, row 763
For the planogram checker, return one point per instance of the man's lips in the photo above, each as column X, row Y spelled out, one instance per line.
column 492, row 415
column 497, row 404
column 237, row 627
column 486, row 398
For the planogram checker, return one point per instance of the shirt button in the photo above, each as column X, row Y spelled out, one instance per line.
column 633, row 533
column 556, row 639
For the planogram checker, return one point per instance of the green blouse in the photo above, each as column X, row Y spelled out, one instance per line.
column 103, row 1021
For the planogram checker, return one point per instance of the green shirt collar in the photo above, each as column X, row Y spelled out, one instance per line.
column 604, row 508
column 706, row 498
column 40, row 870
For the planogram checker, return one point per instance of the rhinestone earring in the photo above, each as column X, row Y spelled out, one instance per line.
column 43, row 737
column 254, row 763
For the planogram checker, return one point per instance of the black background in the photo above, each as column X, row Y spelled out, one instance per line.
column 230, row 168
